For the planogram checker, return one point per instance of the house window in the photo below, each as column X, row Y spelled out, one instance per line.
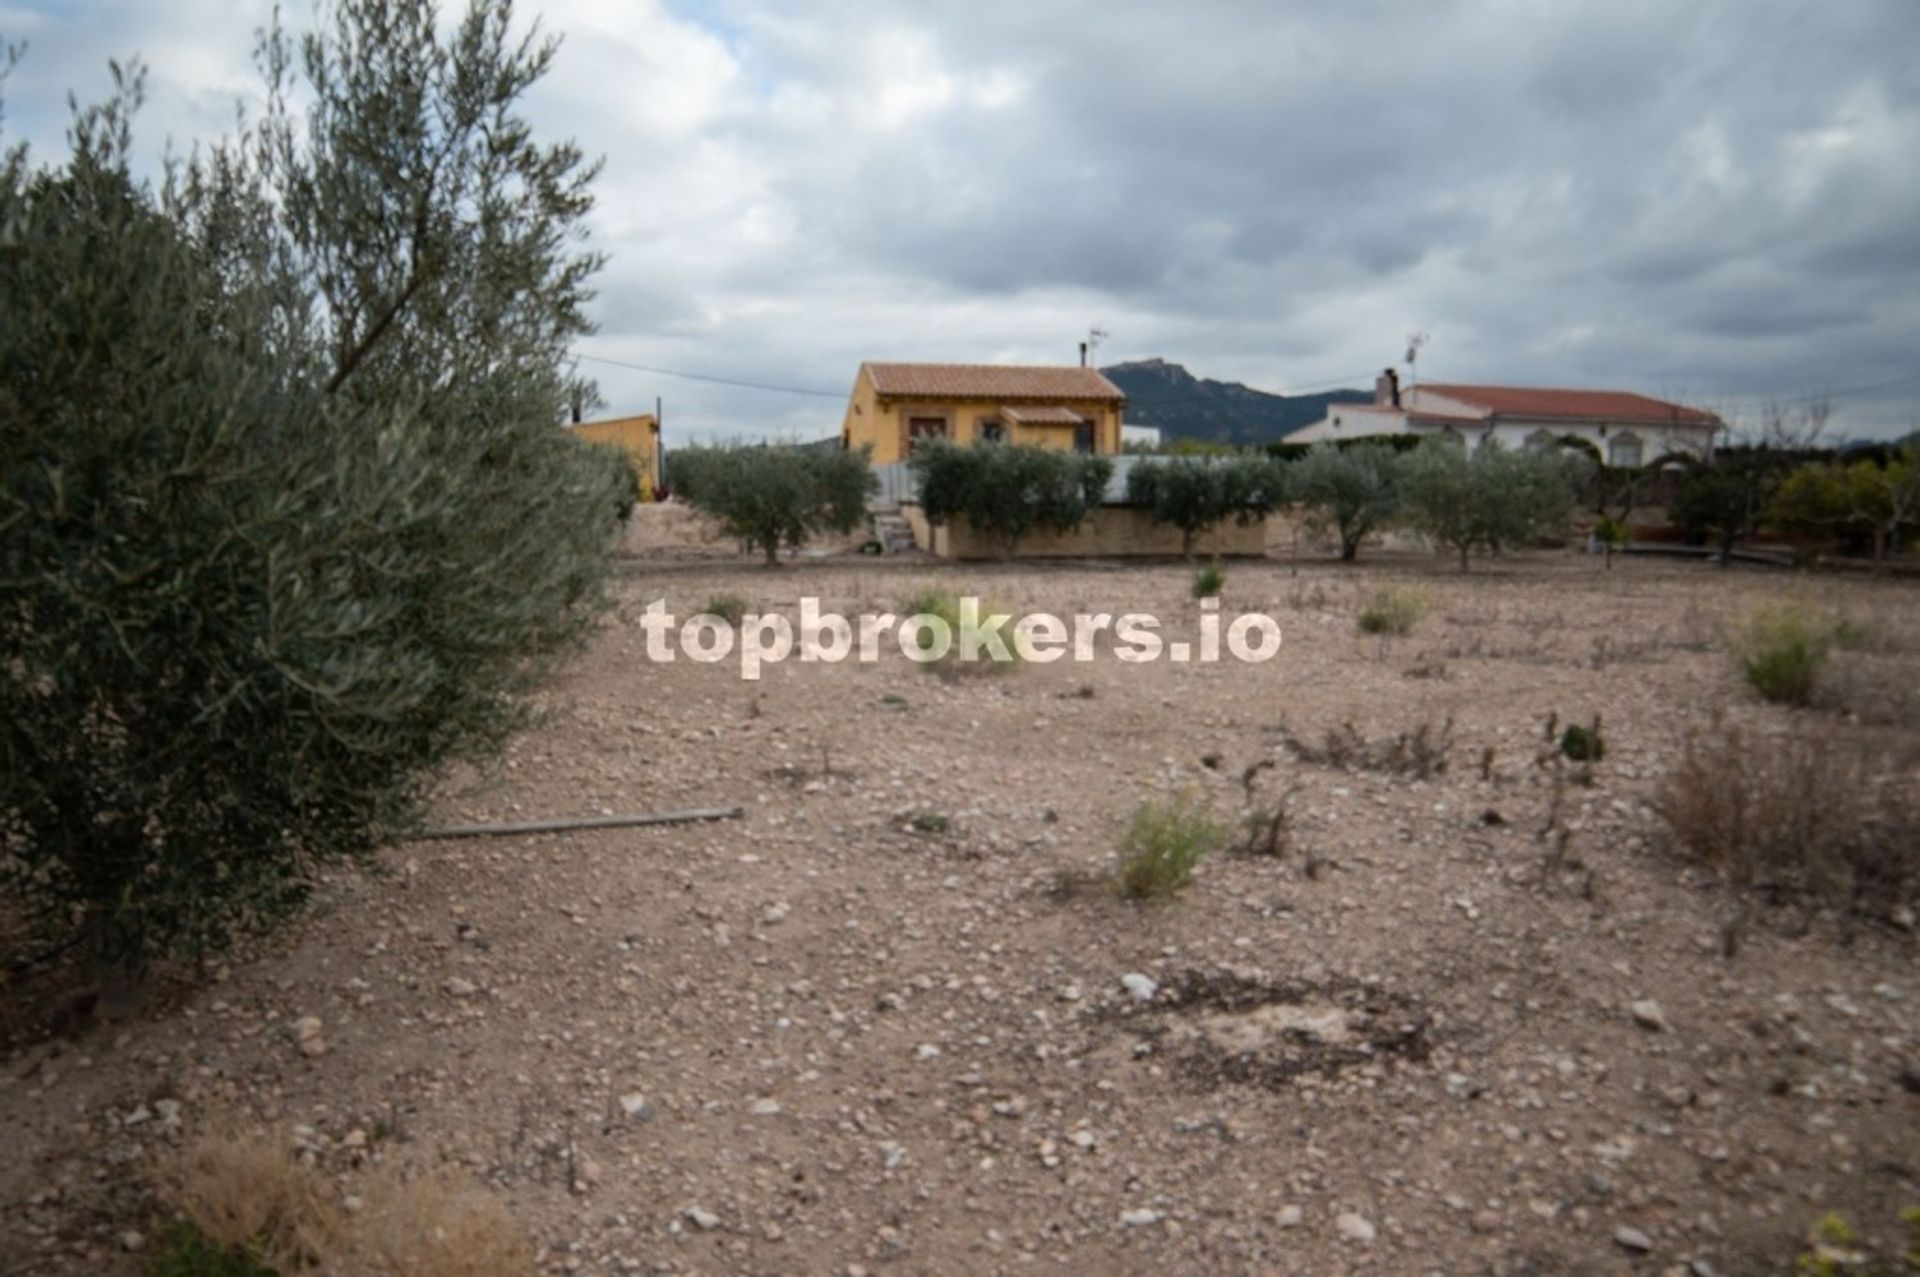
column 1624, row 451
column 921, row 429
column 1083, row 437
column 991, row 430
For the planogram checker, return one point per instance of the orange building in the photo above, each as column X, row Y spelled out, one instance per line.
column 895, row 406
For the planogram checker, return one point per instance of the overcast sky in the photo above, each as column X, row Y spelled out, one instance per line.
column 1717, row 202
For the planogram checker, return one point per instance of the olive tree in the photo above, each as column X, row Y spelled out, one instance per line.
column 1878, row 502
column 1195, row 494
column 1006, row 491
column 1348, row 491
column 771, row 496
column 1495, row 499
column 287, row 521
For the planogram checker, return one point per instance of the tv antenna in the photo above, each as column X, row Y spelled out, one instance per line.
column 1095, row 336
column 1414, row 342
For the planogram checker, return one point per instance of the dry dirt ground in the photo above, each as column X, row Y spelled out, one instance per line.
column 829, row 1038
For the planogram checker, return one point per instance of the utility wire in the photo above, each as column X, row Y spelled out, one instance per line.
column 717, row 381
column 740, row 384
column 1144, row 404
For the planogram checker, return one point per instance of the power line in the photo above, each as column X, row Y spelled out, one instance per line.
column 736, row 383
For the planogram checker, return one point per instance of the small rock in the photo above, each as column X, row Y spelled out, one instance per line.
column 586, row 1173
column 634, row 1107
column 1290, row 1217
column 1355, row 1228
column 701, row 1218
column 1139, row 1217
column 765, row 1107
column 462, row 988
column 776, row 914
column 1629, row 1238
column 1142, row 987
column 1648, row 1015
column 306, row 1036
column 131, row 1240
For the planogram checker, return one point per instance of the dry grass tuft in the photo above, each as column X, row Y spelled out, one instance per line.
column 1421, row 752
column 246, row 1194
column 1816, row 815
column 437, row 1225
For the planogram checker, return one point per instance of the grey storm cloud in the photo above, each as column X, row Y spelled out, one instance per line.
column 1717, row 199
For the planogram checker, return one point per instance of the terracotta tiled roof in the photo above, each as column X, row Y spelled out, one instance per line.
column 1609, row 405
column 1043, row 416
column 989, row 381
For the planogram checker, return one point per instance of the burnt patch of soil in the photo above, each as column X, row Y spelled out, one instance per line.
column 1223, row 1026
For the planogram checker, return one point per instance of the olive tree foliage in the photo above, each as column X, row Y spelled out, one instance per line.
column 1493, row 500
column 1008, row 490
column 1875, row 502
column 771, row 496
column 1346, row 491
column 286, row 519
column 1195, row 494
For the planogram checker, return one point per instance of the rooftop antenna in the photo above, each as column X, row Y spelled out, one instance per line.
column 1414, row 342
column 1095, row 336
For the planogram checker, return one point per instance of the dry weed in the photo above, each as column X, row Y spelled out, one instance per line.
column 436, row 1225
column 247, row 1193
column 1818, row 815
column 1421, row 752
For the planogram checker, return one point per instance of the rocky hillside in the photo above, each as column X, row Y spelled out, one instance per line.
column 1188, row 407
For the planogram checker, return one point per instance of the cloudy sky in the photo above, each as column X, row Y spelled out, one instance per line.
column 1715, row 201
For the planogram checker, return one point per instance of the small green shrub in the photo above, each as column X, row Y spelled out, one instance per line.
column 1583, row 744
column 966, row 626
column 1207, row 581
column 1850, row 635
column 730, row 608
column 1165, row 843
column 1781, row 653
column 930, row 822
column 184, row 1251
column 1835, row 1250
column 1392, row 611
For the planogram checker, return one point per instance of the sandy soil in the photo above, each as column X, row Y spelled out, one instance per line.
column 827, row 1038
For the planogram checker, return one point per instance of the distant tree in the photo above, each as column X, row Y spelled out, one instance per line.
column 771, row 496
column 1349, row 491
column 1006, row 492
column 1494, row 499
column 1195, row 495
column 1725, row 499
column 1876, row 502
column 287, row 522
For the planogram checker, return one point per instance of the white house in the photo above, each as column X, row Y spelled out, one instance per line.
column 1628, row 429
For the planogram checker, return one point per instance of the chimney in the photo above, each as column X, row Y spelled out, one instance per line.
column 1386, row 389
column 1083, row 354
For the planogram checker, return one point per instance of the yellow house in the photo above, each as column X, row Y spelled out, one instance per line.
column 895, row 406
column 638, row 437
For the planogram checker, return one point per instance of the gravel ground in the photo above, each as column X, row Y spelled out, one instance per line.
column 831, row 1038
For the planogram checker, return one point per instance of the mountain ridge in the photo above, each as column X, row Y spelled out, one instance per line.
column 1165, row 394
